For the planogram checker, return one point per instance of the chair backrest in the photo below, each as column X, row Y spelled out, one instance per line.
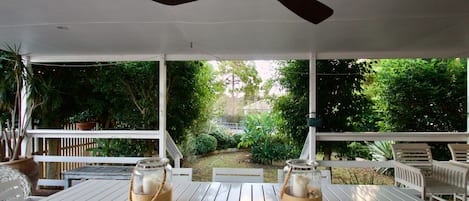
column 247, row 175
column 182, row 174
column 459, row 152
column 325, row 176
column 15, row 180
column 417, row 155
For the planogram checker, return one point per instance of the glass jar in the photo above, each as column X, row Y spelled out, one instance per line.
column 302, row 180
column 150, row 177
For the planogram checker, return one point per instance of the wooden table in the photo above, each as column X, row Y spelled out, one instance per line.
column 119, row 189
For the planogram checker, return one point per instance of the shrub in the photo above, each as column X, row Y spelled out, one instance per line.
column 354, row 150
column 224, row 140
column 236, row 140
column 187, row 148
column 267, row 145
column 205, row 143
column 273, row 148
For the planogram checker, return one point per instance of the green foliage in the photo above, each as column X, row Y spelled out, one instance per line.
column 381, row 151
column 190, row 96
column 240, row 76
column 224, row 140
column 354, row 150
column 188, row 147
column 237, row 139
column 340, row 104
column 84, row 116
column 129, row 93
column 421, row 95
column 267, row 145
column 205, row 143
column 15, row 77
column 119, row 148
column 125, row 96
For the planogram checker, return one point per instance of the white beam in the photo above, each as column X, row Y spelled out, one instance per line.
column 162, row 105
column 312, row 105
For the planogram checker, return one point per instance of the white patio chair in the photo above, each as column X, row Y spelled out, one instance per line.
column 182, row 174
column 459, row 152
column 460, row 156
column 415, row 169
column 238, row 175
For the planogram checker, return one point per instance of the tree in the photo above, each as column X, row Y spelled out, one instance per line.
column 126, row 94
column 240, row 77
column 421, row 95
column 339, row 98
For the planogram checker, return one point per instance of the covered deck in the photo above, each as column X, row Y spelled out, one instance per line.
column 118, row 30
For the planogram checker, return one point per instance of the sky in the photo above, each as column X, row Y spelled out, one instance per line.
column 266, row 70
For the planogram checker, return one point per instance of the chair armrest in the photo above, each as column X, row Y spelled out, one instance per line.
column 409, row 176
column 451, row 173
column 459, row 163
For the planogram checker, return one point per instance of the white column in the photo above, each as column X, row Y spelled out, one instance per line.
column 312, row 105
column 26, row 148
column 162, row 106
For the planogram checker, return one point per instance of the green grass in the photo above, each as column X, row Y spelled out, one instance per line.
column 202, row 169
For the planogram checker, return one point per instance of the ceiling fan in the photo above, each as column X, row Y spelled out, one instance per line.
column 311, row 10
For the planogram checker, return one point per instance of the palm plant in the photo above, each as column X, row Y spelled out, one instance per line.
column 17, row 81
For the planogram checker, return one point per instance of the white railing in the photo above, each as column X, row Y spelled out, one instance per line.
column 376, row 136
column 42, row 156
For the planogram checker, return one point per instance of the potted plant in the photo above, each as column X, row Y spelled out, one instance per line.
column 16, row 83
column 84, row 120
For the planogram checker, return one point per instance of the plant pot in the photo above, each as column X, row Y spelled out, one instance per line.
column 85, row 125
column 27, row 166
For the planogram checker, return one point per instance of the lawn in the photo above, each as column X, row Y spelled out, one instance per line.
column 202, row 169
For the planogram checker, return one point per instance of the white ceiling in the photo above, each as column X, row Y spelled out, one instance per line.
column 233, row 29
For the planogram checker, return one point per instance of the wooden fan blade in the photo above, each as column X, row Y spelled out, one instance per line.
column 173, row 2
column 311, row 10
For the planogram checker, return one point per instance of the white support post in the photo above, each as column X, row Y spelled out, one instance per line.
column 162, row 106
column 26, row 145
column 312, row 105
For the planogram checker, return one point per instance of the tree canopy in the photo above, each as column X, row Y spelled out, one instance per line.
column 420, row 94
column 339, row 99
column 125, row 95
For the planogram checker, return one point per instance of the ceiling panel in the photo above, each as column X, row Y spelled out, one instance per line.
column 234, row 29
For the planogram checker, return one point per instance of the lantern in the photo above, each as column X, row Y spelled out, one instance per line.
column 302, row 181
column 151, row 180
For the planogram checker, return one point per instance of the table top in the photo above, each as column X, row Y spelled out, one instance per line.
column 119, row 190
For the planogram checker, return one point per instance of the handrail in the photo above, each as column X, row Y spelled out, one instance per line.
column 172, row 149
column 109, row 134
column 379, row 136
